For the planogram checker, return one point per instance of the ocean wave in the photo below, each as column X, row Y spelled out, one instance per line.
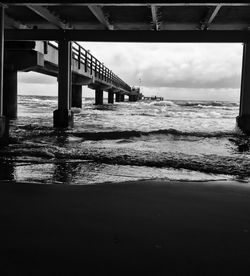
column 208, row 104
column 209, row 163
column 133, row 133
column 163, row 103
column 36, row 131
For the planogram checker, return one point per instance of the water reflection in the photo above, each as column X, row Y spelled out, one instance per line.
column 65, row 172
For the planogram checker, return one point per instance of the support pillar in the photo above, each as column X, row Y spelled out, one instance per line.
column 98, row 96
column 122, row 98
column 132, row 98
column 76, row 95
column 110, row 97
column 10, row 94
column 63, row 116
column 243, row 120
column 117, row 97
column 3, row 121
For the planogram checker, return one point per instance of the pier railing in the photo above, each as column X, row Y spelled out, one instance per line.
column 92, row 65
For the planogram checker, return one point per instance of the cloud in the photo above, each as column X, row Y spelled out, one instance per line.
column 173, row 65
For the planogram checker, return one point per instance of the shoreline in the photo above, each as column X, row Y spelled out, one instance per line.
column 136, row 228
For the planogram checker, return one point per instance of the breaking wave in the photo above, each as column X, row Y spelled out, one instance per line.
column 209, row 163
column 197, row 104
column 114, row 135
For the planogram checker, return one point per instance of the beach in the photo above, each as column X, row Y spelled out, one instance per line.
column 146, row 188
column 134, row 228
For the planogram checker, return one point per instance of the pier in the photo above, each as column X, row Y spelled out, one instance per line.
column 26, row 28
column 153, row 98
column 55, row 59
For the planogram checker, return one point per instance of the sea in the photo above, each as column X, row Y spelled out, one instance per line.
column 173, row 140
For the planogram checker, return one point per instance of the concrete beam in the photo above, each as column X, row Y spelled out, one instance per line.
column 47, row 15
column 24, row 60
column 98, row 13
column 130, row 36
column 12, row 23
column 210, row 17
column 130, row 3
column 155, row 17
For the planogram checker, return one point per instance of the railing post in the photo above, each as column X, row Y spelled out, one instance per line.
column 101, row 70
column 108, row 75
column 45, row 47
column 94, row 66
column 86, row 61
column 91, row 64
column 79, row 56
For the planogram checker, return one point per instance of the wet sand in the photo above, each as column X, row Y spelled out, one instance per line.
column 137, row 228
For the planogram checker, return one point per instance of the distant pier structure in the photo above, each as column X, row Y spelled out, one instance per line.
column 135, row 94
column 153, row 98
column 26, row 27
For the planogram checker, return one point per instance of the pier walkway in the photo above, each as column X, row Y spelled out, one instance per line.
column 43, row 57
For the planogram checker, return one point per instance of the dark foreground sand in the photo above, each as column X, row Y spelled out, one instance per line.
column 139, row 228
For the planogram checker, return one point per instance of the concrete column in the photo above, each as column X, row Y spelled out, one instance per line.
column 132, row 98
column 117, row 97
column 110, row 97
column 243, row 120
column 3, row 120
column 76, row 95
column 10, row 94
column 98, row 96
column 63, row 116
column 122, row 98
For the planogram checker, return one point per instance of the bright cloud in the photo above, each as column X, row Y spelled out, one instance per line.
column 173, row 65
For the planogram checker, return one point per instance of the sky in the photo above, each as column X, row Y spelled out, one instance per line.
column 185, row 71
